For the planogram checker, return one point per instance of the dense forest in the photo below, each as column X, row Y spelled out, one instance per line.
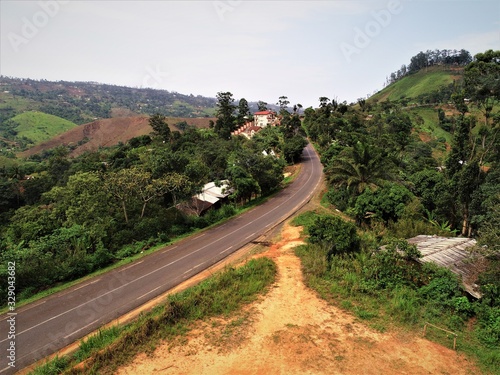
column 65, row 217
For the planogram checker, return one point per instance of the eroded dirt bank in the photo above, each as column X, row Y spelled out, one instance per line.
column 291, row 331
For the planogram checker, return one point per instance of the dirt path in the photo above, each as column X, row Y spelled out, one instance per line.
column 291, row 331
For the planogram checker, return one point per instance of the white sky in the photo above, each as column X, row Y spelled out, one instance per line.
column 259, row 50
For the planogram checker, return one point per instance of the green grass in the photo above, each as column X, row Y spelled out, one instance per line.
column 222, row 294
column 431, row 123
column 39, row 126
column 423, row 82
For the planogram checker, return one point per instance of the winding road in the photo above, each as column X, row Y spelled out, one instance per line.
column 50, row 324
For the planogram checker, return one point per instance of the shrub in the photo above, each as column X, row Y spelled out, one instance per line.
column 339, row 235
column 387, row 203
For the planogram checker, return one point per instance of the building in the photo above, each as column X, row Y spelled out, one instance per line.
column 212, row 196
column 264, row 118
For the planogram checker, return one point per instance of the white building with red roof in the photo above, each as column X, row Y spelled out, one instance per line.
column 264, row 118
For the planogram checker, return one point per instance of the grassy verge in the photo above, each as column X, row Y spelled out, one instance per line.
column 222, row 294
column 391, row 294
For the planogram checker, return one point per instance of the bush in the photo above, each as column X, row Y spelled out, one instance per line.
column 443, row 289
column 387, row 203
column 340, row 198
column 338, row 235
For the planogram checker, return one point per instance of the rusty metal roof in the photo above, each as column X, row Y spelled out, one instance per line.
column 453, row 253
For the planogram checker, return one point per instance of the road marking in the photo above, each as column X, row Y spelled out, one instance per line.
column 253, row 234
column 168, row 249
column 132, row 265
column 25, row 308
column 83, row 286
column 151, row 291
column 229, row 248
column 81, row 329
column 189, row 270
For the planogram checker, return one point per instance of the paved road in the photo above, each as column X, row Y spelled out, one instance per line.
column 48, row 325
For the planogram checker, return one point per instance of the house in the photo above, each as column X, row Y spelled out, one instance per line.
column 264, row 118
column 212, row 196
column 251, row 131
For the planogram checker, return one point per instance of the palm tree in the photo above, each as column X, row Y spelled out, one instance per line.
column 359, row 167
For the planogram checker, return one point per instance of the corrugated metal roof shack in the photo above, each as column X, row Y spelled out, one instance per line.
column 212, row 195
column 453, row 253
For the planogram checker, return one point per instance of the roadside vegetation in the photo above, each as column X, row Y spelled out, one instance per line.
column 220, row 295
column 63, row 218
column 387, row 184
column 389, row 290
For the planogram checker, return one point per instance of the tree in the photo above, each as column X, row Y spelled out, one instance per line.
column 338, row 235
column 387, row 203
column 132, row 184
column 59, row 165
column 243, row 112
column 283, row 104
column 121, row 186
column 359, row 167
column 262, row 106
column 225, row 123
column 291, row 124
column 400, row 128
column 243, row 184
column 293, row 147
column 159, row 124
column 482, row 76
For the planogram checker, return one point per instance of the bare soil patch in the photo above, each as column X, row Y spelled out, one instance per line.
column 108, row 132
column 292, row 331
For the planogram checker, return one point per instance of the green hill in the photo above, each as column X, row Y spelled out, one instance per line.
column 39, row 126
column 424, row 82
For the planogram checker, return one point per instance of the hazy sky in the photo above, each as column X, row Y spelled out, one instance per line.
column 258, row 50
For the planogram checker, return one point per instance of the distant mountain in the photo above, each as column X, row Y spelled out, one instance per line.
column 82, row 102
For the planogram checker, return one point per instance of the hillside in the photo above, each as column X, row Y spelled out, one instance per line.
column 423, row 83
column 107, row 132
column 36, row 126
column 82, row 102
